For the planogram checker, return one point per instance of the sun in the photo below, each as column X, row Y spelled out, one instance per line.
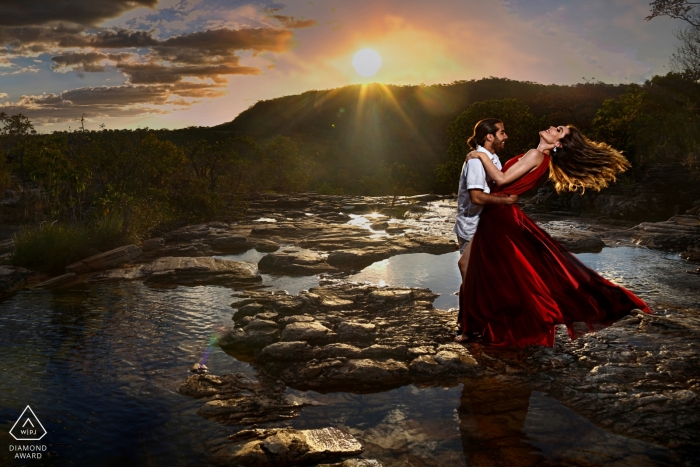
column 367, row 62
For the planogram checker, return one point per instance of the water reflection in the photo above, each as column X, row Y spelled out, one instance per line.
column 505, row 423
column 100, row 366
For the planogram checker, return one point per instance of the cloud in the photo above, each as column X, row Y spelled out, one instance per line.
column 292, row 23
column 84, row 12
column 105, row 101
column 151, row 73
column 88, row 62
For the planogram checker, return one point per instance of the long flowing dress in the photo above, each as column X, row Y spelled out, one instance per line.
column 521, row 282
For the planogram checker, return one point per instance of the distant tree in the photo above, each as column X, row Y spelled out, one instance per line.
column 686, row 58
column 520, row 125
column 655, row 122
column 14, row 134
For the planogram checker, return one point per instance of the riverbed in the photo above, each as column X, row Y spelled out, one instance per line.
column 100, row 365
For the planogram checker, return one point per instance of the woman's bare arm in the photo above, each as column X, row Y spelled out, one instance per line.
column 529, row 161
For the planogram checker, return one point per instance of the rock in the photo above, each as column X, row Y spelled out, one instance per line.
column 355, row 463
column 7, row 246
column 379, row 225
column 283, row 351
column 199, row 368
column 352, row 336
column 312, row 332
column 198, row 271
column 105, row 260
column 153, row 244
column 12, row 279
column 288, row 447
column 580, row 241
column 113, row 275
column 265, row 246
column 238, row 400
column 251, row 309
column 57, row 281
column 294, row 263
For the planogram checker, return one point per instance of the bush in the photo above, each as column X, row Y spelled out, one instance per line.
column 49, row 247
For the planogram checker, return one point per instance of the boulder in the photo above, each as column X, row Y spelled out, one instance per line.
column 280, row 447
column 294, row 263
column 12, row 279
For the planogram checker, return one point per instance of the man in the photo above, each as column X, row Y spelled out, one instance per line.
column 474, row 192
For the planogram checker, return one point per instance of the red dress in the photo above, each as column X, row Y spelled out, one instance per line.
column 521, row 282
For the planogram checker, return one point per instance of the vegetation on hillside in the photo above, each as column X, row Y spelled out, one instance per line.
column 120, row 185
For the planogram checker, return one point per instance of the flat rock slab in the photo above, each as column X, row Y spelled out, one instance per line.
column 351, row 337
column 677, row 233
column 279, row 447
column 198, row 271
column 295, row 263
column 119, row 274
column 106, row 260
column 238, row 400
column 580, row 241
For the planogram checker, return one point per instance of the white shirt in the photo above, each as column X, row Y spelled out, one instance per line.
column 473, row 177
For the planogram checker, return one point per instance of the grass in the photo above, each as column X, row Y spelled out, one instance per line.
column 50, row 247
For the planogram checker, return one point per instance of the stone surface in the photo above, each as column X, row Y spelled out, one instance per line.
column 350, row 337
column 105, row 260
column 295, row 263
column 238, row 400
column 12, row 279
column 287, row 447
column 114, row 275
column 197, row 271
column 57, row 281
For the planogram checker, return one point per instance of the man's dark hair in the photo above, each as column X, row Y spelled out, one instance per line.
column 483, row 128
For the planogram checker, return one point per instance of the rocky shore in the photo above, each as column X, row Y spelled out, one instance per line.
column 638, row 378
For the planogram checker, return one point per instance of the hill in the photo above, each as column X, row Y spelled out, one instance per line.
column 357, row 128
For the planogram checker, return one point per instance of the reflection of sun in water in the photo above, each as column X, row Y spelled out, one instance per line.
column 367, row 62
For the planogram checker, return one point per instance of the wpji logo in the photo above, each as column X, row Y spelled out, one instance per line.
column 28, row 427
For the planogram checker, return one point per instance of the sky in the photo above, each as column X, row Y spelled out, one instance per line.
column 179, row 63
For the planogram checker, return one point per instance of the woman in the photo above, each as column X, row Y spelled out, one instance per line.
column 520, row 282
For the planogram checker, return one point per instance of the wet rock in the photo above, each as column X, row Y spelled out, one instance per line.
column 12, row 279
column 115, row 275
column 287, row 447
column 312, row 332
column 580, row 241
column 355, row 463
column 355, row 337
column 153, row 244
column 238, row 400
column 294, row 263
column 57, row 281
column 198, row 271
column 251, row 309
column 379, row 225
column 638, row 378
column 105, row 260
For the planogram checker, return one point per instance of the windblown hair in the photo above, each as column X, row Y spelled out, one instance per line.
column 582, row 164
column 483, row 128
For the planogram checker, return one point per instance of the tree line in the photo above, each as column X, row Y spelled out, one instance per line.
column 121, row 185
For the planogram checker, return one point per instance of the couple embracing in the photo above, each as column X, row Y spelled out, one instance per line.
column 518, row 283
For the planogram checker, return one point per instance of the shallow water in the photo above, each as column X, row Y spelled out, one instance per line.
column 100, row 366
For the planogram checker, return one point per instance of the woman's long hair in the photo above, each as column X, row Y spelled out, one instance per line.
column 582, row 164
